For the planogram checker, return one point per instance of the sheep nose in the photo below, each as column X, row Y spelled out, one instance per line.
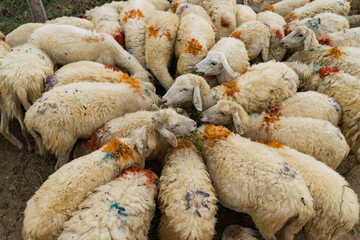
column 282, row 43
column 163, row 100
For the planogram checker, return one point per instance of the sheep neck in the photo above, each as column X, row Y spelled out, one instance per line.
column 224, row 76
column 208, row 100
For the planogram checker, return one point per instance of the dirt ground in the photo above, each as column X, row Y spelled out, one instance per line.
column 22, row 173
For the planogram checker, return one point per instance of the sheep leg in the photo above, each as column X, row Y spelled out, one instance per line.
column 20, row 119
column 63, row 158
column 22, row 95
column 40, row 147
column 6, row 132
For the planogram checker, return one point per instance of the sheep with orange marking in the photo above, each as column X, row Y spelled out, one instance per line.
column 187, row 199
column 4, row 48
column 345, row 89
column 335, row 203
column 263, row 85
column 244, row 14
column 341, row 7
column 75, row 21
column 303, row 40
column 277, row 27
column 120, row 209
column 236, row 232
column 78, row 44
column 256, row 36
column 226, row 58
column 160, row 39
column 251, row 179
column 346, row 37
column 66, row 113
column 22, row 76
column 55, row 201
column 284, row 7
column 21, row 34
column 315, row 137
column 194, row 38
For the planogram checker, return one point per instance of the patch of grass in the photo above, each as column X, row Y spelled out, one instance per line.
column 355, row 230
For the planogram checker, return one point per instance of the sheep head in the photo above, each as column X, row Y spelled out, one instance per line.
column 214, row 64
column 300, row 37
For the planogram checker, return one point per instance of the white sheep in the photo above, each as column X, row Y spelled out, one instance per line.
column 21, row 34
column 66, row 113
column 251, row 179
column 341, row 7
column 106, row 19
column 309, row 51
column 236, row 232
column 244, row 14
column 22, row 76
column 160, row 39
column 315, row 137
column 323, row 23
column 120, row 209
column 4, row 48
column 161, row 5
column 133, row 20
column 284, row 7
column 335, row 203
column 256, row 36
column 354, row 20
column 277, row 27
column 263, row 85
column 75, row 21
column 60, row 195
column 84, row 71
column 187, row 199
column 194, row 38
column 122, row 127
column 257, row 5
column 345, row 89
column 66, row 44
column 226, row 57
column 346, row 37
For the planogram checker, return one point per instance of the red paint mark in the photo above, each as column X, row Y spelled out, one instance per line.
column 115, row 69
column 278, row 34
column 93, row 143
column 213, row 134
column 290, row 17
column 133, row 14
column 174, row 6
column 287, row 30
column 326, row 71
column 274, row 110
column 225, row 21
column 84, row 17
column 324, row 39
column 118, row 35
column 311, row 0
column 216, row 34
column 151, row 177
column 269, row 8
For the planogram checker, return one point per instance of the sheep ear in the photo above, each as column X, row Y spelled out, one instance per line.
column 227, row 67
column 307, row 42
column 170, row 137
column 197, row 99
column 237, row 123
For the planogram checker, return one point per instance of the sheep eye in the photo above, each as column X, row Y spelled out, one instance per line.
column 185, row 89
column 214, row 63
column 301, row 35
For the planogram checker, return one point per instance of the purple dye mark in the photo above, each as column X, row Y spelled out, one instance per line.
column 190, row 200
column 289, row 81
column 182, row 9
column 334, row 103
column 288, row 171
column 50, row 82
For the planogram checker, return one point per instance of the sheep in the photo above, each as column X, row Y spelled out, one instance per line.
column 120, row 209
column 160, row 39
column 284, row 7
column 346, row 37
column 133, row 20
column 251, row 179
column 187, row 199
column 106, row 19
column 315, row 137
column 161, row 5
column 55, row 201
column 22, row 76
column 345, row 89
column 78, row 22
column 335, row 203
column 72, row 107
column 194, row 38
column 84, row 71
column 244, row 14
column 262, row 86
column 354, row 20
column 226, row 57
column 122, row 127
column 20, row 35
column 303, row 38
column 256, row 36
column 4, row 48
column 236, row 232
column 323, row 23
column 75, row 43
column 257, row 5
column 276, row 23
column 340, row 7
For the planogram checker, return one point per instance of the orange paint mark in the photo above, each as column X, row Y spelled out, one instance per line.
column 324, row 39
column 115, row 69
column 118, row 35
column 182, row 143
column 290, row 17
column 95, row 37
column 244, row 70
column 272, row 144
column 119, row 150
column 159, row 31
column 216, row 34
column 133, row 14
column 326, row 71
column 193, row 46
column 93, row 143
column 278, row 34
column 274, row 111
column 230, row 88
column 213, row 134
column 237, row 34
column 269, row 8
column 150, row 175
column 225, row 21
column 84, row 17
column 336, row 52
column 174, row 6
column 270, row 122
column 135, row 84
column 287, row 30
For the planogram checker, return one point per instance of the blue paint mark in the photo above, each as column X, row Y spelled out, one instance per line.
column 120, row 210
column 41, row 56
column 42, row 111
column 104, row 18
column 106, row 158
column 266, row 24
column 50, row 82
column 147, row 92
column 315, row 69
column 130, row 48
column 190, row 200
column 314, row 22
column 288, row 171
column 214, row 93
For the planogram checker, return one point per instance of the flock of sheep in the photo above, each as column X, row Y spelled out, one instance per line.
column 276, row 160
